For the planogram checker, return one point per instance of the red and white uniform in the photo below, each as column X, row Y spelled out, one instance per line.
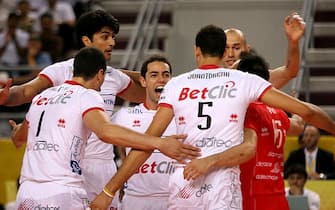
column 98, row 164
column 147, row 189
column 209, row 105
column 57, row 137
column 262, row 177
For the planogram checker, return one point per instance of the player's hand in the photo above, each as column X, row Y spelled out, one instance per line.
column 294, row 27
column 15, row 128
column 101, row 202
column 4, row 93
column 174, row 148
column 196, row 168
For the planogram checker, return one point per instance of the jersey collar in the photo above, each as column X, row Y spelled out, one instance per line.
column 209, row 66
column 71, row 82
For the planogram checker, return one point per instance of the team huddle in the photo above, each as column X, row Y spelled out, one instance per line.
column 191, row 141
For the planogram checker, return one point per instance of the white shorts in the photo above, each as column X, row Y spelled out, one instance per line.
column 97, row 172
column 49, row 195
column 130, row 202
column 217, row 190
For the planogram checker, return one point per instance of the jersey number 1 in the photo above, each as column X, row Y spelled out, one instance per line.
column 39, row 124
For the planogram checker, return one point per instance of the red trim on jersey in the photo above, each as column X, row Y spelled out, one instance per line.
column 128, row 86
column 146, row 106
column 71, row 82
column 209, row 66
column 90, row 109
column 165, row 105
column 265, row 90
column 46, row 77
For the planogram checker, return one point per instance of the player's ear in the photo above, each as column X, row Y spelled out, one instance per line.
column 142, row 81
column 248, row 48
column 86, row 41
column 197, row 52
column 101, row 75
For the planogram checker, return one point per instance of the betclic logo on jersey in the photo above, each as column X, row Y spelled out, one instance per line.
column 58, row 99
column 163, row 167
column 227, row 90
column 213, row 142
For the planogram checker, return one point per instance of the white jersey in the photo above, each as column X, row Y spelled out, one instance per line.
column 57, row 135
column 158, row 166
column 209, row 105
column 115, row 83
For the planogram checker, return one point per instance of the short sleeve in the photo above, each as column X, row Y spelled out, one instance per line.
column 58, row 73
column 91, row 100
column 251, row 117
column 167, row 97
column 115, row 82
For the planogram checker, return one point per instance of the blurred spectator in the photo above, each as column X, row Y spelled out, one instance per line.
column 26, row 17
column 13, row 42
column 61, row 11
column 319, row 163
column 51, row 41
column 35, row 56
column 82, row 6
column 4, row 11
column 35, row 59
column 300, row 141
column 297, row 178
column 36, row 5
column 64, row 19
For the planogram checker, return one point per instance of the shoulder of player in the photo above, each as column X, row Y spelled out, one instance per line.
column 62, row 65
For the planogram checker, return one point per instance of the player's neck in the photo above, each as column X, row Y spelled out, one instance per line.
column 89, row 84
column 150, row 105
column 210, row 61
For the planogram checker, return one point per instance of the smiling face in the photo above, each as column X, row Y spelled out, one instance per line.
column 156, row 77
column 103, row 40
column 235, row 45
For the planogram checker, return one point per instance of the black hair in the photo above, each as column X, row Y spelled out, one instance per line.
column 296, row 169
column 211, row 40
column 88, row 62
column 151, row 59
column 92, row 22
column 254, row 64
column 13, row 15
column 46, row 15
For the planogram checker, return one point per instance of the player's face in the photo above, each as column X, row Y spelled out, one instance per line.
column 158, row 74
column 234, row 46
column 104, row 40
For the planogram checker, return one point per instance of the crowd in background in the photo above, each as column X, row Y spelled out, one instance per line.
column 35, row 34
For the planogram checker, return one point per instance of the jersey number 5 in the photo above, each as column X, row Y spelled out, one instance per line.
column 200, row 114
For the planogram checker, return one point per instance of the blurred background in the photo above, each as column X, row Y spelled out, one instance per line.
column 44, row 31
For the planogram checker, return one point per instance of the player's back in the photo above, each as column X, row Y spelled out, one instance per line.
column 210, row 105
column 57, row 135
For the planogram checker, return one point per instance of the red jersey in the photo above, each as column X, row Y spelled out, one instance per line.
column 262, row 176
